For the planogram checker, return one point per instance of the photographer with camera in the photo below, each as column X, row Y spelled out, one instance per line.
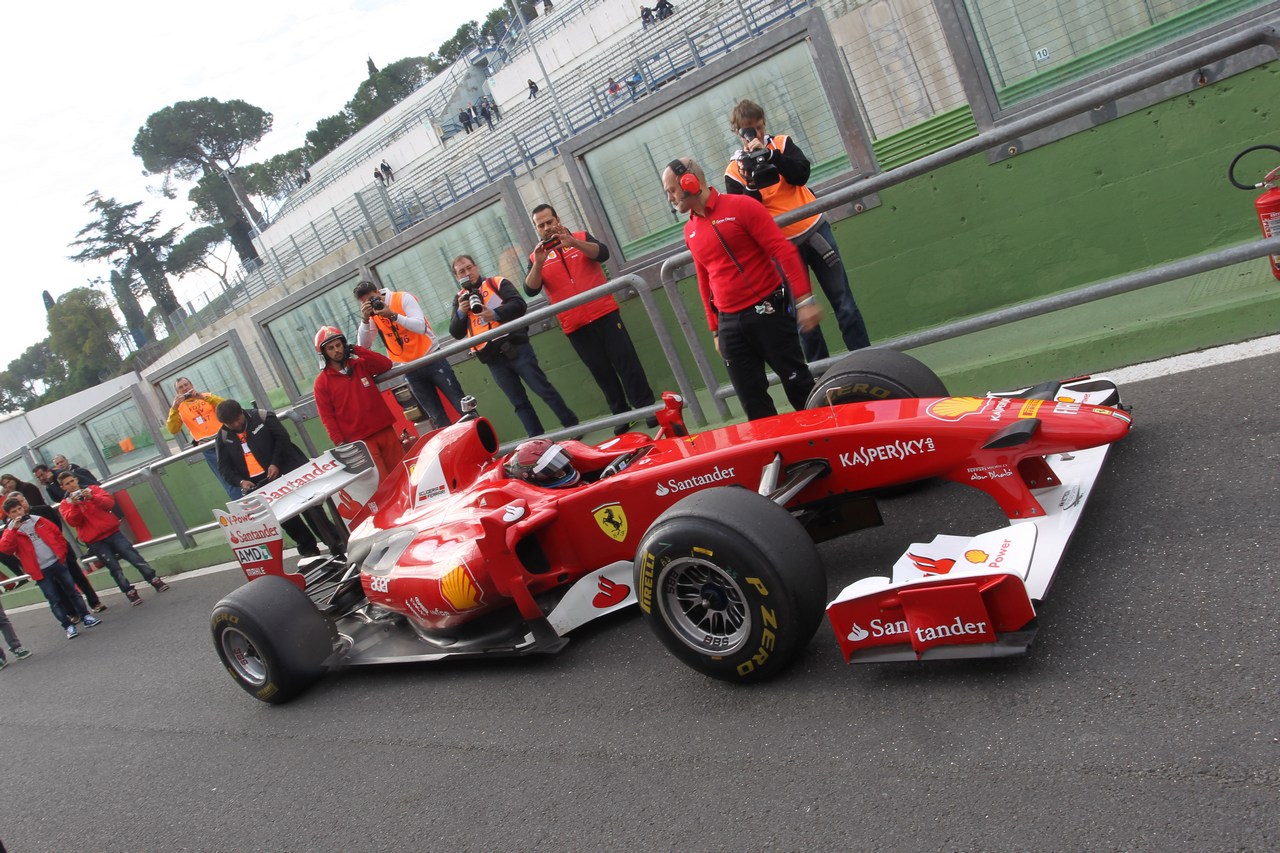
column 486, row 303
column 567, row 263
column 773, row 170
column 38, row 544
column 88, row 510
column 398, row 319
column 194, row 410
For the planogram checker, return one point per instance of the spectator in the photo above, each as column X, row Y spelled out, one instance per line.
column 564, row 264
column 387, row 173
column 254, row 448
column 397, row 317
column 377, row 175
column 745, row 268
column 773, row 170
column 493, row 108
column 30, row 491
column 484, row 304
column 39, row 546
column 486, row 115
column 464, row 116
column 533, row 90
column 349, row 402
column 614, row 88
column 633, row 82
column 61, row 464
column 88, row 510
column 11, row 639
column 195, row 410
column 73, row 556
column 663, row 10
column 646, row 17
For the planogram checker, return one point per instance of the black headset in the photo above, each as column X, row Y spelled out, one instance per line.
column 688, row 180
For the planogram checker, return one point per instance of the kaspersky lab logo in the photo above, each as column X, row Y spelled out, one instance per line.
column 694, row 482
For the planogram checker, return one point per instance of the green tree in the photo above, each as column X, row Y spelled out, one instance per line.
column 135, row 319
column 195, row 251
column 206, row 138
column 467, row 35
column 277, row 176
column 27, row 380
column 133, row 248
column 83, row 332
column 209, row 198
column 388, row 87
column 329, row 133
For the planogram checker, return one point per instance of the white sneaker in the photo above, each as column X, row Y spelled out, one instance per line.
column 90, row 621
column 72, row 633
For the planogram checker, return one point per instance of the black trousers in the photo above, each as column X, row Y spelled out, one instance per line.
column 606, row 349
column 750, row 340
column 299, row 531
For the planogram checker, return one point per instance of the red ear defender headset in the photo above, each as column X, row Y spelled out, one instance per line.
column 688, row 180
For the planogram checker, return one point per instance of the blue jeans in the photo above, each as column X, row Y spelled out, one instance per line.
column 508, row 372
column 114, row 547
column 423, row 382
column 211, row 456
column 57, row 587
column 835, row 284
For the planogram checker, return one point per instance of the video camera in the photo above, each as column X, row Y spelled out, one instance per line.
column 755, row 165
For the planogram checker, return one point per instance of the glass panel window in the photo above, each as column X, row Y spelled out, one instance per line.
column 219, row 374
column 626, row 171
column 425, row 269
column 122, row 437
column 71, row 445
column 295, row 331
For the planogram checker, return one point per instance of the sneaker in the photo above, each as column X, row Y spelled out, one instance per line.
column 91, row 621
column 21, row 654
column 99, row 607
column 132, row 595
column 160, row 585
column 72, row 633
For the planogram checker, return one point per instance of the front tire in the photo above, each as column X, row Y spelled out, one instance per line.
column 875, row 374
column 272, row 639
column 731, row 584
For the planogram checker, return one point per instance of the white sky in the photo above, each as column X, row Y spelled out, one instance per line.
column 80, row 78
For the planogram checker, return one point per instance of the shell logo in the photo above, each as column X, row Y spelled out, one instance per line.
column 976, row 556
column 955, row 408
column 459, row 590
column 223, row 521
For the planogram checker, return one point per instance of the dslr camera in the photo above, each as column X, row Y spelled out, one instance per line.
column 475, row 302
column 756, row 168
column 376, row 302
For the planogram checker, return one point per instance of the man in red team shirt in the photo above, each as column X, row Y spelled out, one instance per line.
column 748, row 275
column 349, row 402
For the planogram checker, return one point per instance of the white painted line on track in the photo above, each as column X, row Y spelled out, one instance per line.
column 1195, row 360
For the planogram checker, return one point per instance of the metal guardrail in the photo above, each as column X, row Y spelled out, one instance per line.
column 1010, row 133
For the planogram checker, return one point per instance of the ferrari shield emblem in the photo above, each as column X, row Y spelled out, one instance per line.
column 612, row 520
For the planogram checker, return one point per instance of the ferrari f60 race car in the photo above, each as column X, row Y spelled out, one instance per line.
column 712, row 534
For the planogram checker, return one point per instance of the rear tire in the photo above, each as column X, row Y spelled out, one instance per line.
column 731, row 584
column 272, row 639
column 875, row 374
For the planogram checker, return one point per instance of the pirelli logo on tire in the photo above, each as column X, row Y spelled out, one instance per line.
column 644, row 592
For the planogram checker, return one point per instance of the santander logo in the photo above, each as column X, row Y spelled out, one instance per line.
column 610, row 593
column 858, row 634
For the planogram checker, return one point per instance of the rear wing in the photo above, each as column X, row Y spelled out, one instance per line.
column 252, row 523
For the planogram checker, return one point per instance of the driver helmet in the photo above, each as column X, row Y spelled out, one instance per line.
column 326, row 334
column 542, row 462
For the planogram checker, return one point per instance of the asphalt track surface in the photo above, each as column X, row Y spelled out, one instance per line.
column 1144, row 717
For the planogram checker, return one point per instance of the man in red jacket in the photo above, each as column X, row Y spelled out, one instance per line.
column 748, row 275
column 88, row 511
column 348, row 400
column 39, row 546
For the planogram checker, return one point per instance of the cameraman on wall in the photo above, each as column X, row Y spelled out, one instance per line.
column 397, row 317
column 484, row 304
column 773, row 170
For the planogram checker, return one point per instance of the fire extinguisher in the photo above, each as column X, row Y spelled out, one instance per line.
column 1267, row 204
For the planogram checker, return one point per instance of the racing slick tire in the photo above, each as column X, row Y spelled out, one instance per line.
column 272, row 639
column 731, row 583
column 875, row 374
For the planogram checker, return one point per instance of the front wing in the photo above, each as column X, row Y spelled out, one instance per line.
column 961, row 596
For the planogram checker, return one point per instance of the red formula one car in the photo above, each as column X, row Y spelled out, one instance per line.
column 461, row 552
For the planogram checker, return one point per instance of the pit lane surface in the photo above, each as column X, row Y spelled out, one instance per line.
column 1144, row 716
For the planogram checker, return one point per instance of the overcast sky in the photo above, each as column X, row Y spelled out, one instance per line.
column 80, row 78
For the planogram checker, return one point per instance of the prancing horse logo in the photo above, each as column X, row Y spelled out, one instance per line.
column 612, row 520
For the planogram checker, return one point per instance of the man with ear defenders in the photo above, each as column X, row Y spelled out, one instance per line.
column 774, row 170
column 748, row 273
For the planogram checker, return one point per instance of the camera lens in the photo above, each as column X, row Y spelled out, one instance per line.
column 475, row 304
column 377, row 303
